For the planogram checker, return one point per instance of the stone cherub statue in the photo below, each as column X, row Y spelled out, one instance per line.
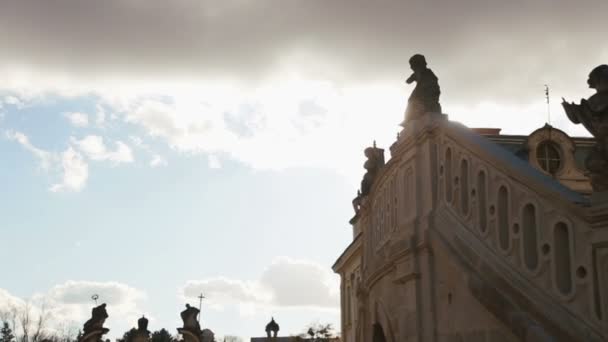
column 93, row 328
column 375, row 160
column 593, row 114
column 425, row 96
column 191, row 331
column 272, row 327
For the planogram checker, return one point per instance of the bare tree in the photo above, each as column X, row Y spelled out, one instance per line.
column 24, row 321
column 10, row 315
column 40, row 324
column 230, row 338
column 28, row 324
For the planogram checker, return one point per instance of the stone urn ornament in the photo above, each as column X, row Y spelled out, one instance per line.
column 272, row 328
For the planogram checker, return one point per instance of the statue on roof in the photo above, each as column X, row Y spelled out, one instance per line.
column 272, row 327
column 425, row 96
column 593, row 114
column 191, row 331
column 98, row 317
column 93, row 329
column 375, row 161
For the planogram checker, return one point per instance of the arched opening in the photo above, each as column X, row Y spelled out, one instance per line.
column 503, row 218
column 464, row 187
column 448, row 175
column 563, row 273
column 481, row 195
column 378, row 333
column 529, row 235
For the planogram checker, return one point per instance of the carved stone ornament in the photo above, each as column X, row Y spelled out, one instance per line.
column 272, row 327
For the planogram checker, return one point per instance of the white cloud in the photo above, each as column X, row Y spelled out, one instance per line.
column 93, row 146
column 45, row 158
column 158, row 161
column 100, row 116
column 70, row 303
column 15, row 101
column 286, row 283
column 214, row 162
column 7, row 300
column 77, row 119
column 75, row 172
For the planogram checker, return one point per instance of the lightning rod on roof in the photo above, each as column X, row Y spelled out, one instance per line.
column 548, row 104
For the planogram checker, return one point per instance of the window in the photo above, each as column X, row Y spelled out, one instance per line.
column 503, row 218
column 548, row 156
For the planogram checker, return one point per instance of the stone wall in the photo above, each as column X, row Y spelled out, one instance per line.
column 463, row 241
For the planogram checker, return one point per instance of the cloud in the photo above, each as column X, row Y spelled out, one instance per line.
column 7, row 300
column 79, row 292
column 75, row 172
column 286, row 283
column 214, row 162
column 311, row 91
column 93, row 146
column 473, row 41
column 158, row 161
column 70, row 303
column 77, row 119
column 45, row 158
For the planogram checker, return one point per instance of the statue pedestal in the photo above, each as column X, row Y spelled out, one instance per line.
column 188, row 335
column 94, row 336
column 406, row 122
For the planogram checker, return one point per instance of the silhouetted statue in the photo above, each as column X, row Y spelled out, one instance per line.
column 425, row 96
column 375, row 161
column 93, row 328
column 593, row 114
column 191, row 331
column 272, row 327
column 142, row 334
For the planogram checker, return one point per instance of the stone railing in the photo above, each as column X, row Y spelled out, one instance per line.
column 538, row 237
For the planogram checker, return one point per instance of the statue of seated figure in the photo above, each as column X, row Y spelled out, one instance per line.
column 425, row 96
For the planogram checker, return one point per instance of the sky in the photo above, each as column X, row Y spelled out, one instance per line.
column 152, row 150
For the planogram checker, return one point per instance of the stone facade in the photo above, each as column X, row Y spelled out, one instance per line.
column 462, row 239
